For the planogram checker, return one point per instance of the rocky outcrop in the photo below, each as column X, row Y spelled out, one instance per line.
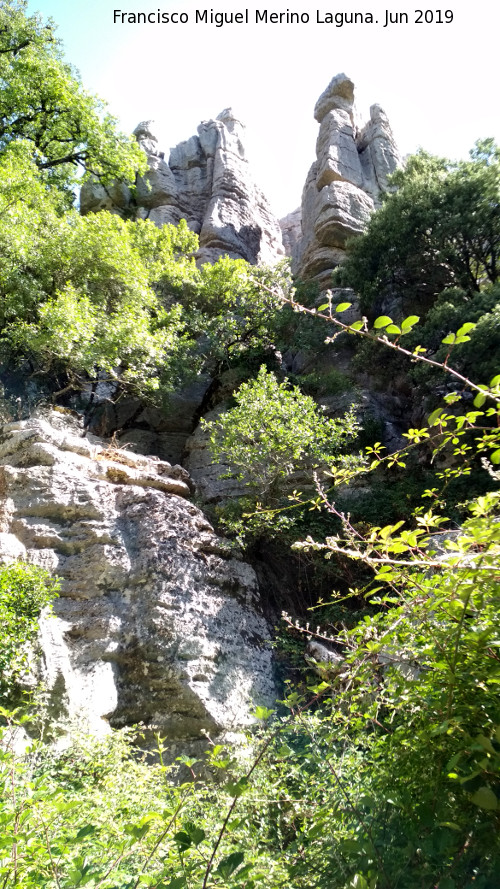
column 205, row 181
column 345, row 182
column 158, row 619
column 291, row 232
column 215, row 481
column 146, row 429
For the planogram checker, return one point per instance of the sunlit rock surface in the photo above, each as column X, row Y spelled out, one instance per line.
column 158, row 620
column 344, row 184
column 208, row 182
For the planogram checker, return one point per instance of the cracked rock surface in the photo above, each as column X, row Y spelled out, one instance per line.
column 206, row 181
column 344, row 184
column 158, row 620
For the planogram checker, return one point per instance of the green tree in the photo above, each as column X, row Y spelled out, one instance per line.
column 101, row 297
column 86, row 310
column 228, row 311
column 440, row 228
column 274, row 431
column 43, row 102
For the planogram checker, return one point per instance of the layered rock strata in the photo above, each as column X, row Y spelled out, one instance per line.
column 344, row 184
column 157, row 621
column 207, row 182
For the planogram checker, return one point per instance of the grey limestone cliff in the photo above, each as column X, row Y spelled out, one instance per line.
column 206, row 181
column 158, row 620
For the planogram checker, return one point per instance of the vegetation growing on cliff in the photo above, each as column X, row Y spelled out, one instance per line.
column 439, row 229
column 433, row 248
column 25, row 591
column 384, row 771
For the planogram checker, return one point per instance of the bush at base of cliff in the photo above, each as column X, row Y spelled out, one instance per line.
column 275, row 431
column 25, row 590
column 98, row 815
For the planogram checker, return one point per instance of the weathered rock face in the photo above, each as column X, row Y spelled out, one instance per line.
column 291, row 232
column 157, row 620
column 150, row 430
column 207, row 182
column 344, row 184
column 214, row 481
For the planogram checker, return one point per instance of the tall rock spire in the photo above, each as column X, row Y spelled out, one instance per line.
column 344, row 184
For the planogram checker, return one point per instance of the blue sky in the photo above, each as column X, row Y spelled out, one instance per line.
column 438, row 83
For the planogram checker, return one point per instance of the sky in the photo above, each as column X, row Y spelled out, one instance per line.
column 438, row 81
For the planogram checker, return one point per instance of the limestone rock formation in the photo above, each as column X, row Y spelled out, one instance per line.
column 158, row 620
column 207, row 182
column 214, row 480
column 146, row 429
column 291, row 232
column 344, row 184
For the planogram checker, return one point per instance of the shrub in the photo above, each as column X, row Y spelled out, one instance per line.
column 25, row 590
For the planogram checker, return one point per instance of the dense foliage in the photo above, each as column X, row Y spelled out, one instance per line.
column 439, row 229
column 273, row 432
column 98, row 298
column 25, row 590
column 386, row 774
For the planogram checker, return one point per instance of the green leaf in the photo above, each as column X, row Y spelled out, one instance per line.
column 357, row 325
column 486, row 744
column 358, row 882
column 237, row 788
column 197, row 834
column 495, row 456
column 86, row 831
column 262, row 713
column 323, row 307
column 408, row 323
column 465, row 328
column 434, row 417
column 393, row 328
column 229, row 864
column 183, row 840
column 484, row 798
column 479, row 399
column 449, row 340
column 342, row 307
column 137, row 831
column 382, row 321
column 187, row 761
